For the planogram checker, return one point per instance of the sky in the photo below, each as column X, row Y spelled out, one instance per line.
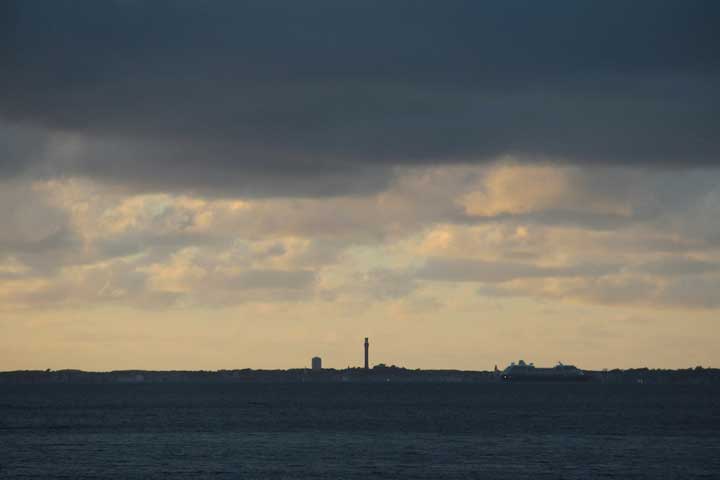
column 218, row 185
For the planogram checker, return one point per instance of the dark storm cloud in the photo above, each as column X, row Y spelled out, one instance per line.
column 322, row 97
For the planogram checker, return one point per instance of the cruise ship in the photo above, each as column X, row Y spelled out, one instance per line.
column 522, row 371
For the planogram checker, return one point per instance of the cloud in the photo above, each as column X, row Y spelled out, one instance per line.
column 34, row 232
column 75, row 242
column 623, row 291
column 678, row 266
column 381, row 284
column 274, row 279
column 465, row 270
column 186, row 278
column 692, row 292
column 283, row 98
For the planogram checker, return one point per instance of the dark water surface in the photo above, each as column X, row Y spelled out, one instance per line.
column 348, row 431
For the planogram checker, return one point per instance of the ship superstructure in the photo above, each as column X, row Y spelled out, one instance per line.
column 522, row 371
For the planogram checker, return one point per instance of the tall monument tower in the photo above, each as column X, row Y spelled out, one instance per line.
column 367, row 348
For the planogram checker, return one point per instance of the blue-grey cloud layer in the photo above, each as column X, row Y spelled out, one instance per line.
column 322, row 97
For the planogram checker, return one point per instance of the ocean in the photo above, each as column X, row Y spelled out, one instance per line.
column 359, row 431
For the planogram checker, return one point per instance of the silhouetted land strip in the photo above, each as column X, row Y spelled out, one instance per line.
column 380, row 373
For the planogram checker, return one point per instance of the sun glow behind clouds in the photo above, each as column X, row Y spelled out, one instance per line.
column 478, row 262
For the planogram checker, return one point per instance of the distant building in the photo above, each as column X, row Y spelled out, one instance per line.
column 316, row 364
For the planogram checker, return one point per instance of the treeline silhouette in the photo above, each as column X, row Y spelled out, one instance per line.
column 379, row 373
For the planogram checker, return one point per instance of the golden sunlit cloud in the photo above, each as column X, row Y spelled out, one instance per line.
column 462, row 249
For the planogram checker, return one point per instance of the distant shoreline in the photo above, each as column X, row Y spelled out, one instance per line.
column 377, row 374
